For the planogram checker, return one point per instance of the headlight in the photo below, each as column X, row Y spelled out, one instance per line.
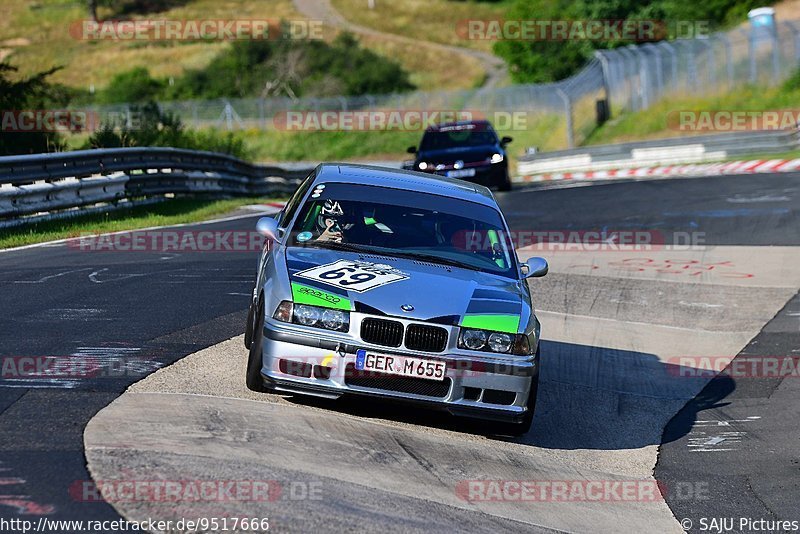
column 496, row 158
column 473, row 339
column 306, row 315
column 422, row 165
column 500, row 342
column 315, row 316
column 334, row 319
column 283, row 312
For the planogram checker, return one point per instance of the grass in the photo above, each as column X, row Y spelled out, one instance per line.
column 653, row 122
column 44, row 27
column 791, row 154
column 426, row 20
column 546, row 132
column 169, row 212
column 430, row 68
column 35, row 36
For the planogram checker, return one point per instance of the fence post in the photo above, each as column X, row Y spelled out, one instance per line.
column 606, row 77
column 728, row 58
column 712, row 62
column 673, row 63
column 627, row 56
column 751, row 50
column 776, row 55
column 795, row 39
column 691, row 67
column 568, row 114
column 659, row 78
column 644, row 76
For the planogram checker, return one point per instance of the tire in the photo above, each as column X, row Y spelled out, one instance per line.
column 505, row 185
column 253, row 377
column 524, row 426
column 248, row 330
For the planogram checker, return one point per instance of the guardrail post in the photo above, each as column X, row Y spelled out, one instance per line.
column 568, row 115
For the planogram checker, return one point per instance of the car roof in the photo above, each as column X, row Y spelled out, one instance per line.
column 407, row 180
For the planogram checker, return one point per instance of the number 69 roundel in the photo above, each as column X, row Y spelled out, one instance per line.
column 355, row 276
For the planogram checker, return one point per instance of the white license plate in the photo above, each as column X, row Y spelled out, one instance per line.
column 461, row 173
column 400, row 365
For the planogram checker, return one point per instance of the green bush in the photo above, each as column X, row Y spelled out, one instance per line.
column 547, row 61
column 135, row 85
column 151, row 127
column 263, row 68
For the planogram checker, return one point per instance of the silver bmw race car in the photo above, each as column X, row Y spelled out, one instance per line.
column 399, row 285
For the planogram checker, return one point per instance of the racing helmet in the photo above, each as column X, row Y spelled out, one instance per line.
column 331, row 209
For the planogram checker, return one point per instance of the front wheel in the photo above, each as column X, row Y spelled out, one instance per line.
column 254, row 360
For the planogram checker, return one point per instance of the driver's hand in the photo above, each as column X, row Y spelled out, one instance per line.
column 329, row 234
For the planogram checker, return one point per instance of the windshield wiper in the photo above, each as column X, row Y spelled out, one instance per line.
column 349, row 247
column 433, row 259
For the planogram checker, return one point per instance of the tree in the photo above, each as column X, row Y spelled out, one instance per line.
column 27, row 94
column 93, row 9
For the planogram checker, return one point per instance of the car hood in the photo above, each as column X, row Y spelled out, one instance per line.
column 437, row 293
column 466, row 153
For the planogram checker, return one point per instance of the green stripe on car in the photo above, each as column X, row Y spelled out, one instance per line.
column 495, row 323
column 312, row 296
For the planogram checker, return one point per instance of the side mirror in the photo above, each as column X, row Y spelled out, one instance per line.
column 411, row 150
column 268, row 227
column 535, row 267
column 505, row 140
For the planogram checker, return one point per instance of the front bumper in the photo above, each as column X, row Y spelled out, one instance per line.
column 299, row 362
column 488, row 175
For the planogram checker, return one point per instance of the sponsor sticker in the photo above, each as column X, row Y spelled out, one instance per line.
column 358, row 276
column 316, row 297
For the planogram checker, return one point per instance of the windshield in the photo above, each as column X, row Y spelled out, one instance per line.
column 440, row 140
column 405, row 223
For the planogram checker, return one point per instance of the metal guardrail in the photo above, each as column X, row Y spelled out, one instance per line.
column 48, row 186
column 695, row 149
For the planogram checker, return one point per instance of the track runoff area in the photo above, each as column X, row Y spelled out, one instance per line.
column 657, row 287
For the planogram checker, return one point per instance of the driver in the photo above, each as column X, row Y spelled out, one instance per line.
column 327, row 226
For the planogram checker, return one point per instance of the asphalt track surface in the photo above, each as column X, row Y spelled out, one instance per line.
column 148, row 310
